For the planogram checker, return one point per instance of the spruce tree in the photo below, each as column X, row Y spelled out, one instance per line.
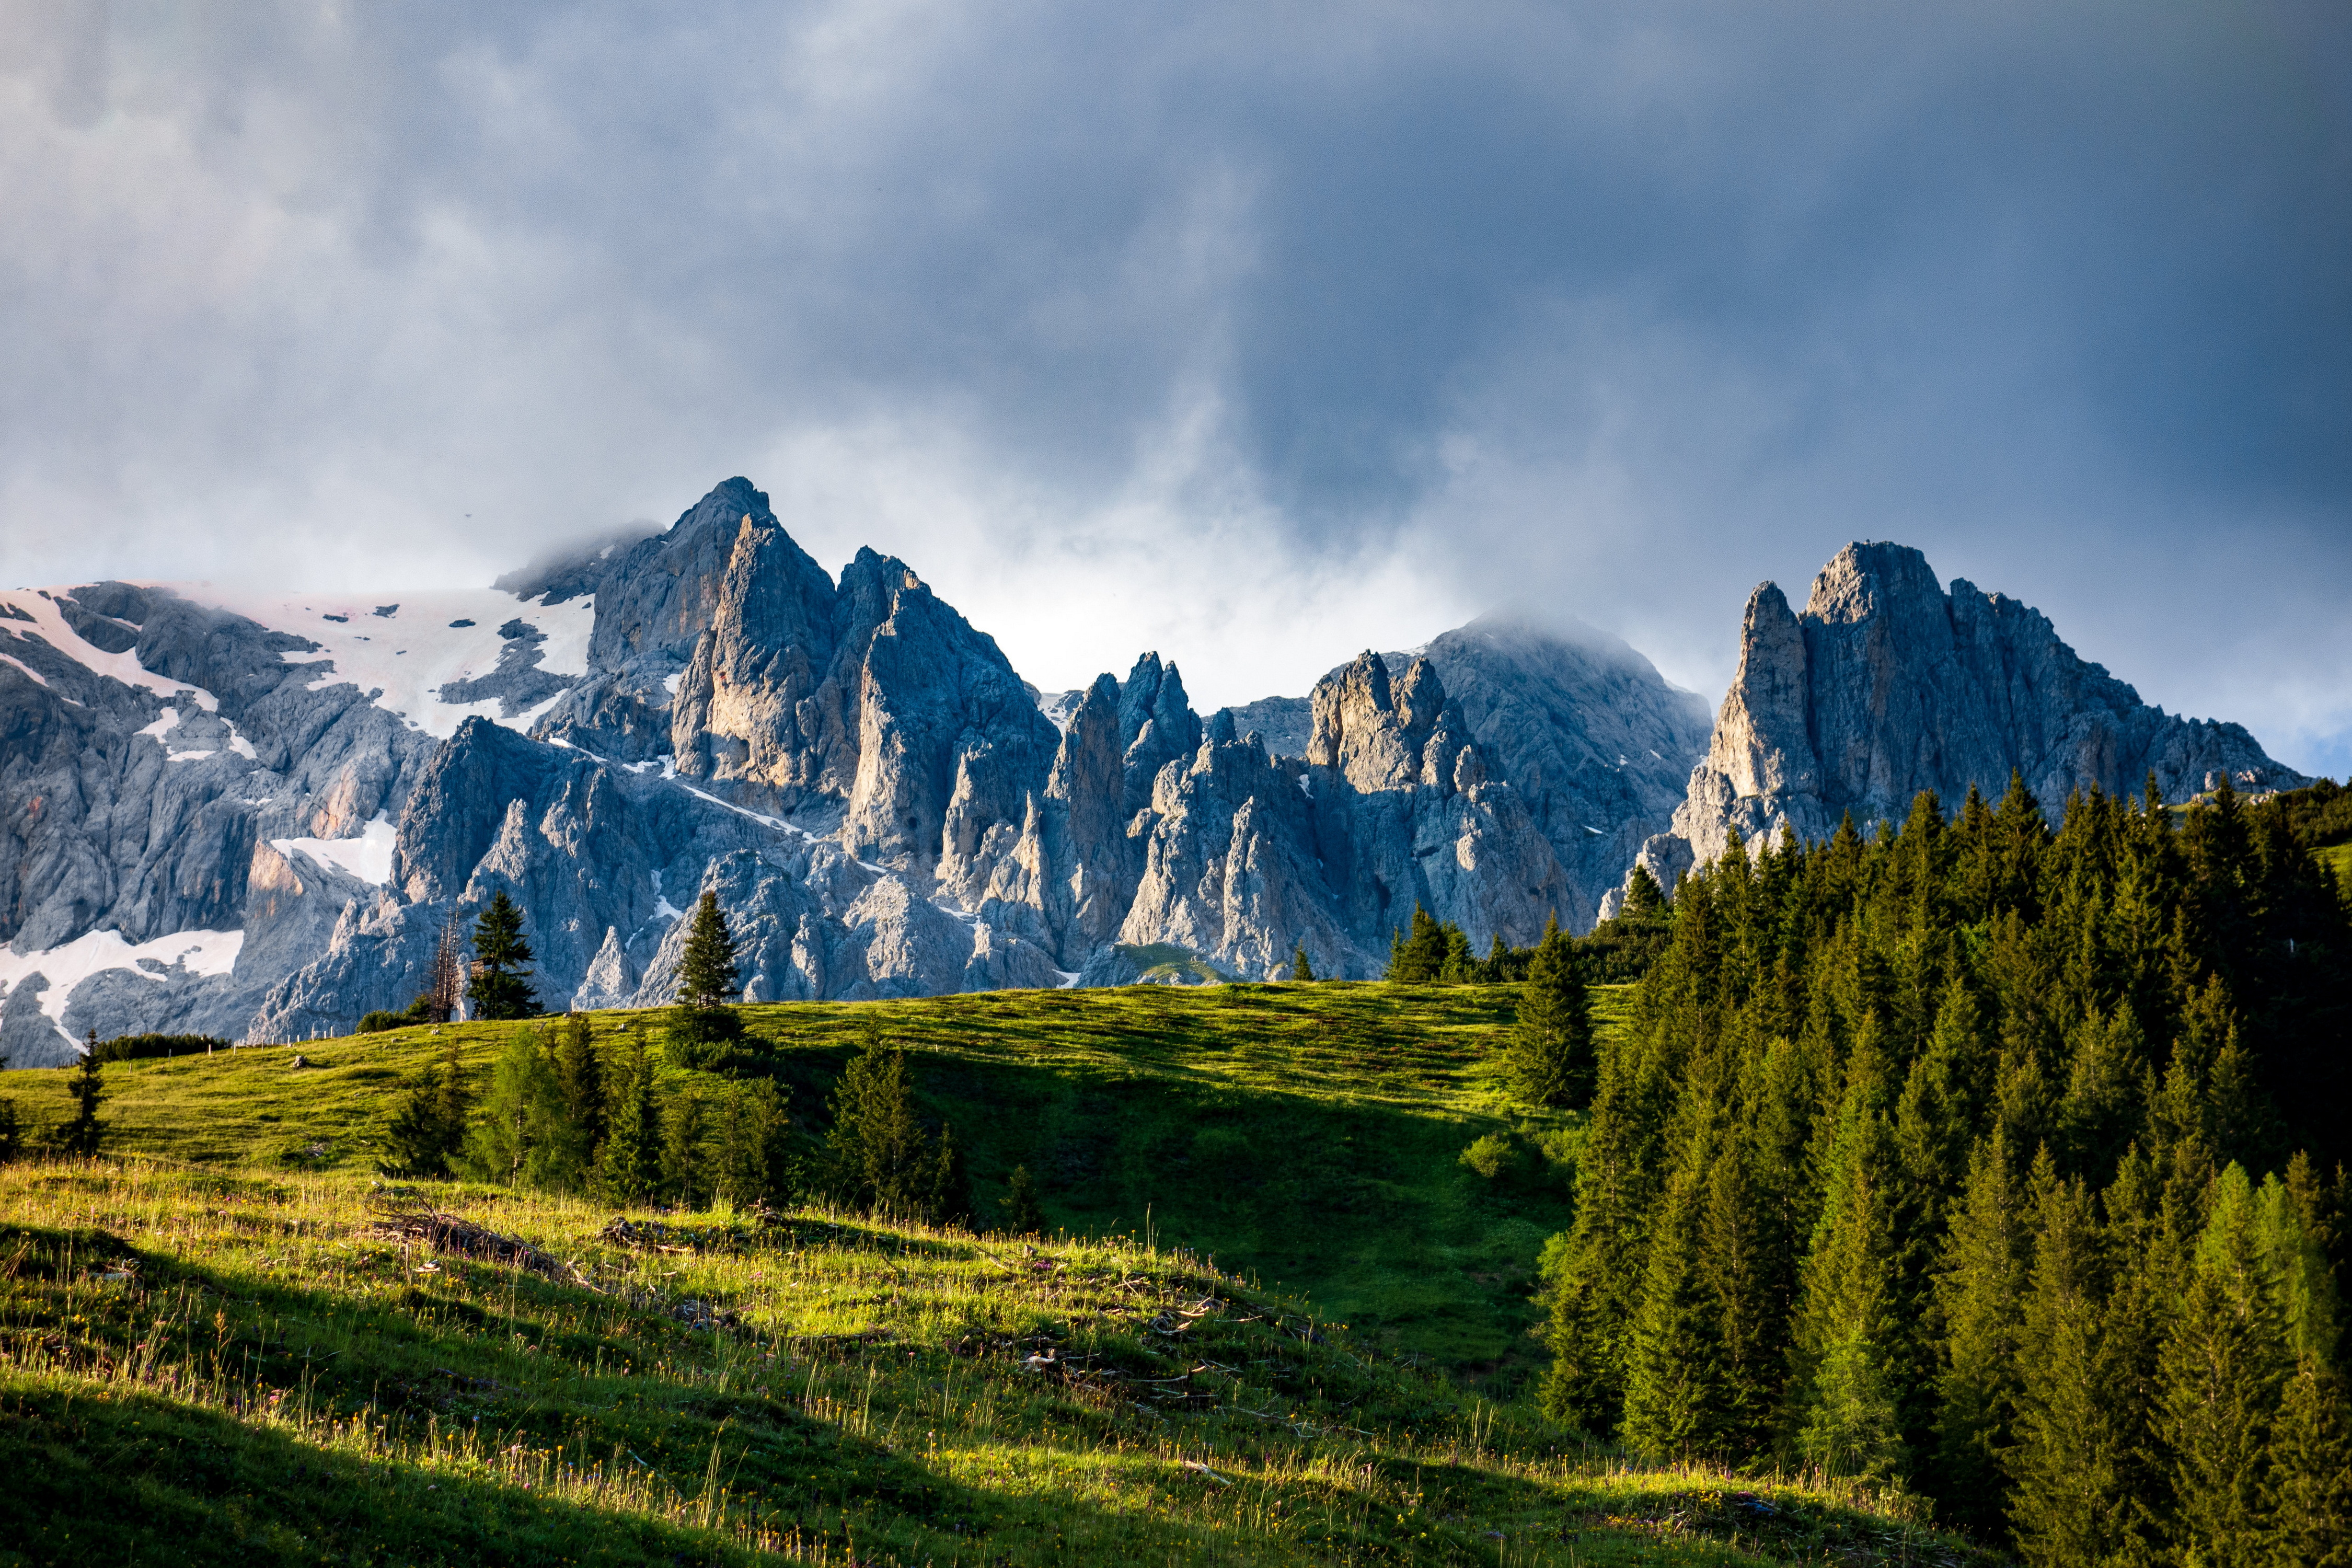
column 1854, row 1337
column 1300, row 969
column 1645, row 900
column 427, row 1125
column 707, row 979
column 12, row 1132
column 1023, row 1215
column 81, row 1136
column 1459, row 965
column 877, row 1157
column 685, row 1175
column 2307, row 1500
column 1418, row 959
column 580, row 1078
column 2222, row 1377
column 1549, row 1058
column 754, row 1162
column 501, row 987
column 1981, row 1285
column 2071, row 1500
column 1677, row 1401
column 629, row 1168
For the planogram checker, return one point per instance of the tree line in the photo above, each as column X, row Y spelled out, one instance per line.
column 1994, row 1162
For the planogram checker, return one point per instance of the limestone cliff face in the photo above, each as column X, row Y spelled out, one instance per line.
column 1596, row 743
column 760, row 706
column 1407, row 810
column 151, row 751
column 1888, row 685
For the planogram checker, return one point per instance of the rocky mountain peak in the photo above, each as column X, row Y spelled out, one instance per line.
column 1887, row 686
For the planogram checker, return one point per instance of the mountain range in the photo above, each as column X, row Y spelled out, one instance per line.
column 252, row 815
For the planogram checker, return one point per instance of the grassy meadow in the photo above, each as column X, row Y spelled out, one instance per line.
column 1281, row 1320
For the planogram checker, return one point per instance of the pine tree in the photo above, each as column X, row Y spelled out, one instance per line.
column 1675, row 1401
column 427, row 1125
column 1418, row 959
column 1981, row 1288
column 12, row 1132
column 1300, row 969
column 2070, row 1496
column 685, row 1161
column 2308, row 1498
column 1853, row 1336
column 81, row 1136
column 754, row 1162
column 1645, row 900
column 1023, row 1215
column 580, row 1078
column 877, row 1156
column 1459, row 965
column 2222, row 1377
column 1549, row 1058
column 501, row 987
column 629, row 1168
column 705, row 981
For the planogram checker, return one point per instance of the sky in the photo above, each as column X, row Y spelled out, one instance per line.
column 1255, row 333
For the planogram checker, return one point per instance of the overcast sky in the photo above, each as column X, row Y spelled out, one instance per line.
column 1256, row 333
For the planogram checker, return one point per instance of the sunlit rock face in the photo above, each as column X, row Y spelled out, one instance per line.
column 1888, row 685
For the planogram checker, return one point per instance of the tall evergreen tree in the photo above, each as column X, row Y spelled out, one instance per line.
column 1675, row 1393
column 501, row 987
column 1981, row 1288
column 428, row 1127
column 754, row 1163
column 81, row 1136
column 1645, row 900
column 1023, row 1215
column 706, row 980
column 686, row 1173
column 580, row 1078
column 2223, row 1375
column 2071, row 1500
column 2307, row 1500
column 1419, row 959
column 629, row 1167
column 1549, row 1058
column 877, row 1155
column 1301, row 968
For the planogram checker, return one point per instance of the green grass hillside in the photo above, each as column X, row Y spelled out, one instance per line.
column 1305, row 1136
column 205, row 1367
column 1283, row 1322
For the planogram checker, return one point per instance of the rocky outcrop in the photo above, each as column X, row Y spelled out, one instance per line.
column 1408, row 812
column 1598, row 745
column 1888, row 685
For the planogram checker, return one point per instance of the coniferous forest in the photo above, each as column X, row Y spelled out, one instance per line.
column 1991, row 1158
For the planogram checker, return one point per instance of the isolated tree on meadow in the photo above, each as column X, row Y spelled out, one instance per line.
column 707, row 979
column 82, row 1135
column 501, row 987
column 1300, row 969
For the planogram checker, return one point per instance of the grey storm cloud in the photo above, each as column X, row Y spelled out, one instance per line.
column 1261, row 333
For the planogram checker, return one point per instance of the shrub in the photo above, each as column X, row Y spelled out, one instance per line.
column 1492, row 1156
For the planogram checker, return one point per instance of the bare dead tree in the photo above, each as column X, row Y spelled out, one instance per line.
column 448, row 973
